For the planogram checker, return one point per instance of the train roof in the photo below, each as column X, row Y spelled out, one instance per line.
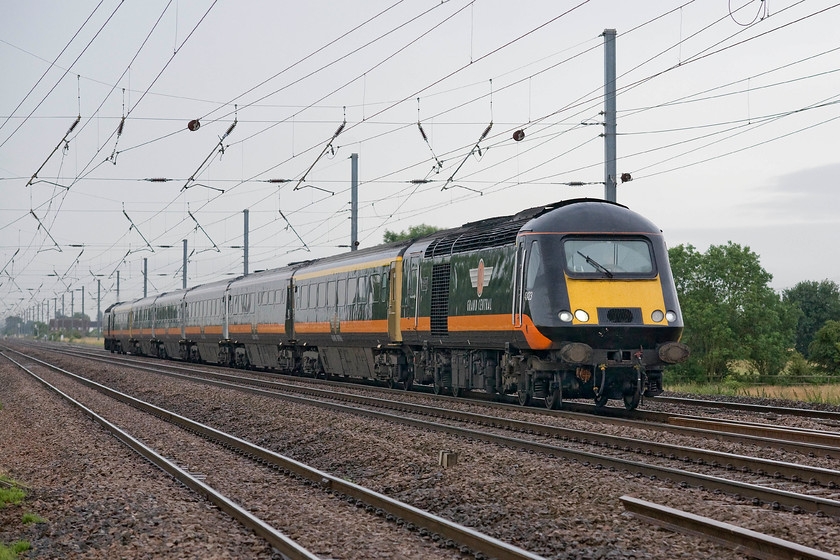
column 491, row 232
column 369, row 256
column 588, row 215
column 203, row 290
column 579, row 215
column 260, row 277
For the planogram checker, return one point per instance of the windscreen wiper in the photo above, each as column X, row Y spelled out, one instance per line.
column 596, row 264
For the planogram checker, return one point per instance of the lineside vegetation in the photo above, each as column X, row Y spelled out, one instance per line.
column 13, row 493
column 744, row 335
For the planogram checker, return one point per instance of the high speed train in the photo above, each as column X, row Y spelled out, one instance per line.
column 568, row 300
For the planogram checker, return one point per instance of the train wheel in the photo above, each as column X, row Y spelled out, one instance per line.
column 408, row 383
column 632, row 400
column 554, row 401
column 456, row 391
column 601, row 400
column 524, row 390
column 438, row 388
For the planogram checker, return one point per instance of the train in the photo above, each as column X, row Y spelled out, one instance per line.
column 573, row 299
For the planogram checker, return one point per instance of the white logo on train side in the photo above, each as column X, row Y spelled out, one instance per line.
column 480, row 277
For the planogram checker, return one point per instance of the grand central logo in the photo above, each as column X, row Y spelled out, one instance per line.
column 480, row 277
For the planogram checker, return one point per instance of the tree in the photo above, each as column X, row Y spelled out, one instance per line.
column 730, row 311
column 14, row 325
column 413, row 232
column 40, row 329
column 818, row 303
column 825, row 349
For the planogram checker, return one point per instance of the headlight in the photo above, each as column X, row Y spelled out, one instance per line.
column 671, row 316
column 582, row 316
column 565, row 316
column 657, row 316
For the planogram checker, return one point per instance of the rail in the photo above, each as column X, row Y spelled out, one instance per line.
column 743, row 540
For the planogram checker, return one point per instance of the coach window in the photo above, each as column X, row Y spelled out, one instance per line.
column 534, row 261
column 331, row 293
column 352, row 291
column 376, row 287
column 342, row 292
column 363, row 289
column 322, row 294
column 313, row 296
column 412, row 278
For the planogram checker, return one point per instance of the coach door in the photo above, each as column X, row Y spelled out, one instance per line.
column 411, row 308
column 290, row 310
column 519, row 283
column 394, row 300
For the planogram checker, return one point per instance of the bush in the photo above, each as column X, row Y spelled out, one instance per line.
column 825, row 349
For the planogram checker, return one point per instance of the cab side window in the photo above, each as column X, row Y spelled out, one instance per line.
column 534, row 262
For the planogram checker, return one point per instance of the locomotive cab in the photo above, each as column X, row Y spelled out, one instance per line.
column 596, row 303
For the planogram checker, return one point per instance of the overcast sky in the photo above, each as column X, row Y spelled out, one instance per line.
column 727, row 120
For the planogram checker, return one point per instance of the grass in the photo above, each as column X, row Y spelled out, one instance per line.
column 822, row 394
column 11, row 552
column 13, row 493
column 11, row 496
column 89, row 340
column 32, row 518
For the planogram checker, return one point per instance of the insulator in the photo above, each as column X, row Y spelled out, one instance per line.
column 230, row 128
column 422, row 132
column 340, row 128
column 72, row 126
column 486, row 131
column 120, row 128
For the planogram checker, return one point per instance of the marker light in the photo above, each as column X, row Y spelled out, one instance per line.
column 582, row 316
column 657, row 316
column 565, row 316
column 671, row 316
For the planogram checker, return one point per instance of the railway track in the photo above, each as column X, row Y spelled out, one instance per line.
column 763, row 409
column 756, row 493
column 809, row 442
column 832, row 417
column 403, row 517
